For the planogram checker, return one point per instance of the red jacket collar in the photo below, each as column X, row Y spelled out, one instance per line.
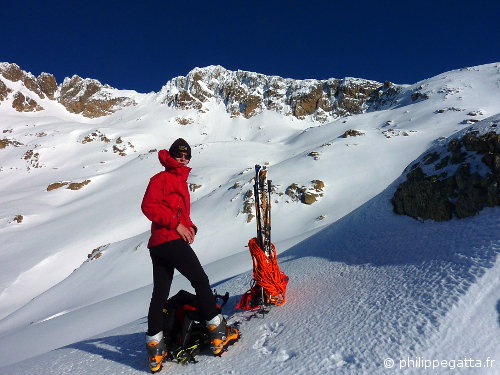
column 171, row 165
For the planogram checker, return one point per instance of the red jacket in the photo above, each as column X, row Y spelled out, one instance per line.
column 166, row 201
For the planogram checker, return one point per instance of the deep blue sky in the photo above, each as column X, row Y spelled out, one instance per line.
column 140, row 45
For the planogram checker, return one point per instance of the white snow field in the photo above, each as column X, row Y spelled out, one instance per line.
column 370, row 292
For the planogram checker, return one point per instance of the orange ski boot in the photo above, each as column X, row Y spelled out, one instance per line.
column 155, row 346
column 221, row 335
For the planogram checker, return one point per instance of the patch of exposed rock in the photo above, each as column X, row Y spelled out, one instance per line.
column 352, row 133
column 193, row 187
column 7, row 142
column 97, row 252
column 248, row 205
column 184, row 120
column 18, row 219
column 306, row 194
column 69, row 185
column 314, row 154
column 390, row 133
column 91, row 137
column 121, row 147
column 457, row 179
column 33, row 159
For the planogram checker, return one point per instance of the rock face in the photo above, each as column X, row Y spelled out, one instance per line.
column 25, row 104
column 4, row 91
column 247, row 94
column 458, row 179
column 48, row 84
column 20, row 102
column 90, row 98
column 85, row 96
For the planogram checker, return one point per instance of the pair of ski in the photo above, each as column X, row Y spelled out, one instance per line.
column 269, row 287
column 262, row 193
column 269, row 282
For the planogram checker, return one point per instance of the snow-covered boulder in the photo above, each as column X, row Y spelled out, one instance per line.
column 456, row 178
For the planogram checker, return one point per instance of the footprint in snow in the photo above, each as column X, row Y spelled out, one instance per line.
column 284, row 355
column 262, row 344
column 337, row 360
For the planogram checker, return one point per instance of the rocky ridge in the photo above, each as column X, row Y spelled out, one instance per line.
column 248, row 94
column 457, row 178
column 242, row 93
column 82, row 96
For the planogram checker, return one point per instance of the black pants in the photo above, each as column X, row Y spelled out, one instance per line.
column 166, row 257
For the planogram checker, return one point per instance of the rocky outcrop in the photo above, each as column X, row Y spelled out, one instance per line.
column 14, row 73
column 69, row 185
column 33, row 159
column 458, row 179
column 193, row 187
column 248, row 94
column 7, row 142
column 20, row 102
column 385, row 96
column 306, row 194
column 352, row 133
column 83, row 96
column 23, row 103
column 90, row 98
column 4, row 91
column 48, row 84
column 97, row 252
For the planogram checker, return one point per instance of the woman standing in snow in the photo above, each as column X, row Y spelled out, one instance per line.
column 167, row 204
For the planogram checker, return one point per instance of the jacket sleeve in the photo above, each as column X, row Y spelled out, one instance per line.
column 191, row 224
column 156, row 208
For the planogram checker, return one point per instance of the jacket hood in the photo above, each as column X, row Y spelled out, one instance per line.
column 170, row 163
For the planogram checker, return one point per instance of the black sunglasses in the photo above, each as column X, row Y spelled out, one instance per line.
column 180, row 155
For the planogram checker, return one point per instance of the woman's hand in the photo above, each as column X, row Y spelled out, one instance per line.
column 187, row 234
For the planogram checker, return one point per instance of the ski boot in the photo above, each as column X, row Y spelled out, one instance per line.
column 155, row 346
column 221, row 335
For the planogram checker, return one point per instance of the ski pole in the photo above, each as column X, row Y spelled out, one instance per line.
column 257, row 205
column 269, row 216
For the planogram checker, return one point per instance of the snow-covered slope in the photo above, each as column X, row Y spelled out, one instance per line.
column 366, row 284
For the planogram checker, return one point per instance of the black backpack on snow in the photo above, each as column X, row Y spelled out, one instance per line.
column 184, row 331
